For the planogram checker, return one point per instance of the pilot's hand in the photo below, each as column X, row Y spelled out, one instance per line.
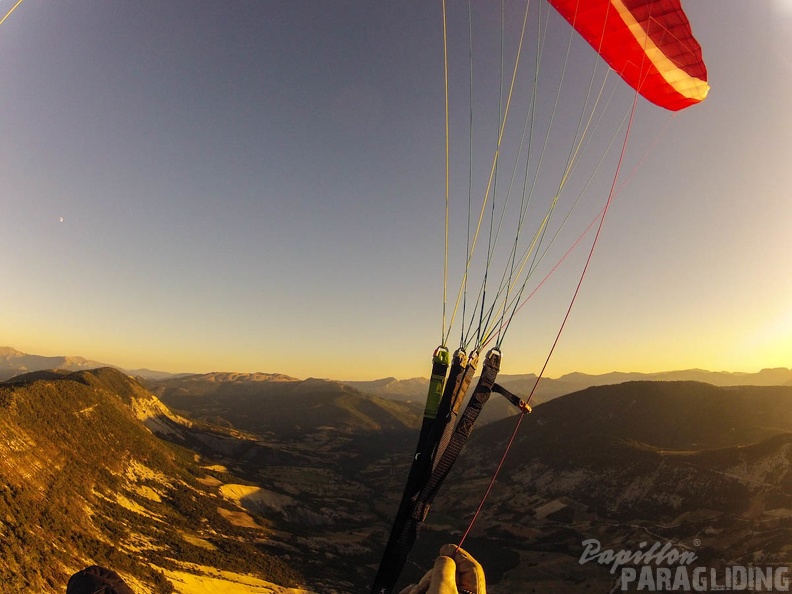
column 455, row 572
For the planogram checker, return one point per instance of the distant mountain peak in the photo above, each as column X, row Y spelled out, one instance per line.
column 10, row 352
column 14, row 362
column 233, row 376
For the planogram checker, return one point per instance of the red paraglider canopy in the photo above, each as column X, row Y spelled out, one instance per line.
column 649, row 43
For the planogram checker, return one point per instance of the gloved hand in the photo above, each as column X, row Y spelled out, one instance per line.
column 454, row 572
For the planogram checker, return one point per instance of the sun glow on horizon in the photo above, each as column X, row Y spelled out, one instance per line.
column 770, row 344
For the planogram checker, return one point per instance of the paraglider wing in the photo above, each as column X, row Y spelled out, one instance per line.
column 649, row 43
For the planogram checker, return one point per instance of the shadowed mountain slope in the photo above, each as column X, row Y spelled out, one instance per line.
column 283, row 406
column 672, row 415
column 641, row 461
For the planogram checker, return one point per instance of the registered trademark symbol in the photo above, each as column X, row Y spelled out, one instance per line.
column 696, row 542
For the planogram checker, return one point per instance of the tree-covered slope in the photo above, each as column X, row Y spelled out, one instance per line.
column 83, row 481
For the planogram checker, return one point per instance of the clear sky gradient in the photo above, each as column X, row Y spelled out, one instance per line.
column 259, row 186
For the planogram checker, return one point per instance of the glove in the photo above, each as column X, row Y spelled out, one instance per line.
column 454, row 572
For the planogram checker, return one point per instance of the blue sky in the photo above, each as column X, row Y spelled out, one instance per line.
column 259, row 186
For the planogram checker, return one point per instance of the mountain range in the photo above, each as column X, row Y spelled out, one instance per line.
column 548, row 388
column 14, row 362
column 705, row 468
column 261, row 483
column 85, row 480
column 96, row 469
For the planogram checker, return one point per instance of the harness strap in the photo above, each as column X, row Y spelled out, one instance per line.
column 397, row 548
column 460, row 435
column 451, row 412
column 513, row 398
column 415, row 505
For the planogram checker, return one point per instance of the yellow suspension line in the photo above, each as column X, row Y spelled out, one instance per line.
column 494, row 164
column 577, row 146
column 447, row 190
column 13, row 8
